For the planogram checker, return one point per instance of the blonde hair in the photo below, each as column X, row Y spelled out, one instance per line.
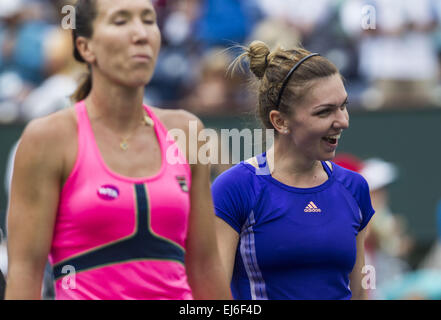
column 271, row 68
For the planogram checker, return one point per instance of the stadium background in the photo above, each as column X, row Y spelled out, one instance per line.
column 394, row 101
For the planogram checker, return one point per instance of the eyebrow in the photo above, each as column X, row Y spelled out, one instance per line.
column 127, row 13
column 333, row 105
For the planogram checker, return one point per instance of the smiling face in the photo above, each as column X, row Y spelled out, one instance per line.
column 316, row 124
column 125, row 43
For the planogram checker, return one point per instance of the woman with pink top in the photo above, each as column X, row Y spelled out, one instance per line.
column 92, row 187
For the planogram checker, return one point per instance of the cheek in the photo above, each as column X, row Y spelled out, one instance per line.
column 307, row 131
column 311, row 137
column 109, row 48
column 155, row 42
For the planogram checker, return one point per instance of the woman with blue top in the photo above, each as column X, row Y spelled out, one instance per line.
column 291, row 224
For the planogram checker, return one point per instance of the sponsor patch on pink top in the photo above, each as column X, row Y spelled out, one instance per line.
column 108, row 192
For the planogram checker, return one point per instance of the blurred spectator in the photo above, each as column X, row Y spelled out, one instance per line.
column 275, row 32
column 312, row 24
column 179, row 19
column 397, row 55
column 214, row 93
column 63, row 71
column 417, row 285
column 387, row 243
column 54, row 92
column 388, row 229
column 225, row 22
column 32, row 49
column 348, row 161
column 316, row 25
column 433, row 258
column 304, row 16
column 22, row 41
column 179, row 54
column 192, row 29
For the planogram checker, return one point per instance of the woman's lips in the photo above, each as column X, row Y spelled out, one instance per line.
column 141, row 58
column 331, row 142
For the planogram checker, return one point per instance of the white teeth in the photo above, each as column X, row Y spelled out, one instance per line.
column 334, row 137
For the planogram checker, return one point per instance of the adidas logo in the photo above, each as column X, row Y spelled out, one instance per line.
column 311, row 207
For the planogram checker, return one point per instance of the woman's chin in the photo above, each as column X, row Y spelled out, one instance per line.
column 328, row 156
column 138, row 79
column 136, row 82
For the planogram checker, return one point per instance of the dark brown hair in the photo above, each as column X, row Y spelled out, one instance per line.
column 85, row 14
column 271, row 68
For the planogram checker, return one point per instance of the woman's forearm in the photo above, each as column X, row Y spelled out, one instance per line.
column 23, row 284
column 208, row 280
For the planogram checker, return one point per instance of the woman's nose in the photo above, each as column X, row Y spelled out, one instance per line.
column 342, row 119
column 139, row 33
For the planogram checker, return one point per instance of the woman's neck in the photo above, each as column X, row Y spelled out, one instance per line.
column 291, row 167
column 118, row 107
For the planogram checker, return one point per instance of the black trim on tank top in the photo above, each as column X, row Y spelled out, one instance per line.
column 143, row 245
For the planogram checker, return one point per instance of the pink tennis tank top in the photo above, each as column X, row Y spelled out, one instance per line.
column 118, row 237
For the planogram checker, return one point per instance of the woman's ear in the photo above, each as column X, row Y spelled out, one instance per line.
column 280, row 124
column 85, row 48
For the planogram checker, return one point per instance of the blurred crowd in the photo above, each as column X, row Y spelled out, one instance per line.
column 388, row 51
column 389, row 242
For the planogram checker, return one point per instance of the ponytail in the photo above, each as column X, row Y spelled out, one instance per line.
column 83, row 89
column 85, row 14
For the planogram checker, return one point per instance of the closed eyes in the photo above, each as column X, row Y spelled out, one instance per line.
column 123, row 22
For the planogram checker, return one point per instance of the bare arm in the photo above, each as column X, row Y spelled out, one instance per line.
column 32, row 209
column 205, row 272
column 227, row 239
column 204, row 267
column 356, row 276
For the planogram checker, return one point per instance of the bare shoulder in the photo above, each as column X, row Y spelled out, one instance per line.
column 183, row 120
column 177, row 118
column 48, row 136
column 51, row 128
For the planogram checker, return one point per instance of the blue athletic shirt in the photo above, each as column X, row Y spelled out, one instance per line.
column 295, row 243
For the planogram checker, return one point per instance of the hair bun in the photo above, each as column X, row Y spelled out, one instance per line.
column 258, row 53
